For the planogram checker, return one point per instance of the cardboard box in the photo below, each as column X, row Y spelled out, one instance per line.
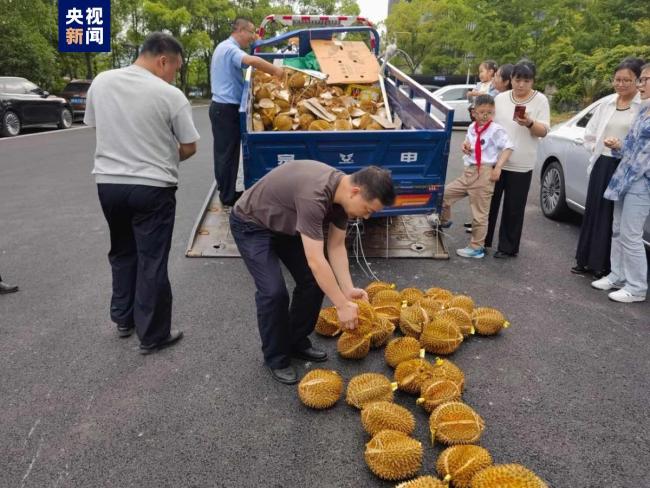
column 346, row 61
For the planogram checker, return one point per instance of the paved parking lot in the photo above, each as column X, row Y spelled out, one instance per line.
column 564, row 391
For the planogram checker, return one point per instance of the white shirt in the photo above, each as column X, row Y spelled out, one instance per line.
column 495, row 140
column 139, row 120
column 524, row 153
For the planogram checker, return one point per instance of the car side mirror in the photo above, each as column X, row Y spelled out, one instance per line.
column 45, row 94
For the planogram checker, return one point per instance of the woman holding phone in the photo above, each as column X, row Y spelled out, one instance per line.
column 525, row 115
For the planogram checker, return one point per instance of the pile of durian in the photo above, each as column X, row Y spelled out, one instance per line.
column 431, row 321
column 299, row 102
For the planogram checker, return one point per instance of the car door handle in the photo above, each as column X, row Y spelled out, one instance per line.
column 579, row 141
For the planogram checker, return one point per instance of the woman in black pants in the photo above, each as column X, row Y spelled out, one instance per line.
column 525, row 115
column 611, row 121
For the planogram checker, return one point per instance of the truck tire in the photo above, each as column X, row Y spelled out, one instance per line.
column 10, row 125
column 65, row 119
column 552, row 194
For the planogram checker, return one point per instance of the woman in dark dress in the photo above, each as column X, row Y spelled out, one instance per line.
column 611, row 120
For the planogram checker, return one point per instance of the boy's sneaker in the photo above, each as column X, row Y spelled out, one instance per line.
column 435, row 222
column 625, row 296
column 605, row 284
column 470, row 252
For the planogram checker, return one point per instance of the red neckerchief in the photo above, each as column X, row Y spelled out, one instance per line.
column 477, row 144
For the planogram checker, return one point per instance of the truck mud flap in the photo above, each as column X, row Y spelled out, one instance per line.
column 404, row 236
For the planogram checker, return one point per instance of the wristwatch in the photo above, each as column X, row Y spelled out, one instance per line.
column 532, row 122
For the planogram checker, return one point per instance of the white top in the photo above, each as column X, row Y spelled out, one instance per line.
column 595, row 130
column 618, row 126
column 139, row 120
column 524, row 153
column 494, row 140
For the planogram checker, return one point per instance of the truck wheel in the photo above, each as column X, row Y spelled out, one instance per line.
column 10, row 124
column 552, row 195
column 65, row 119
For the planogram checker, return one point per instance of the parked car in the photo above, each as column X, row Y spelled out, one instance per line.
column 456, row 97
column 75, row 93
column 562, row 162
column 24, row 104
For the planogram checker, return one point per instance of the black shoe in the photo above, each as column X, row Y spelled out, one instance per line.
column 287, row 376
column 232, row 202
column 174, row 336
column 311, row 354
column 125, row 330
column 7, row 288
column 578, row 269
column 467, row 225
column 599, row 274
column 504, row 255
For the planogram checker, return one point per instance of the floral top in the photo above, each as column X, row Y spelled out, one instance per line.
column 635, row 154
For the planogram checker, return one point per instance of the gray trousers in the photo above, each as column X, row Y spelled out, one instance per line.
column 629, row 262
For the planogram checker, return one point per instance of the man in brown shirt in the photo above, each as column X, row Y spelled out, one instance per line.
column 281, row 219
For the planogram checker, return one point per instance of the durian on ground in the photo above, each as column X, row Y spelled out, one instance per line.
column 393, row 455
column 320, row 388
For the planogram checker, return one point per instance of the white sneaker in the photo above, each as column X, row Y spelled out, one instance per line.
column 625, row 296
column 605, row 284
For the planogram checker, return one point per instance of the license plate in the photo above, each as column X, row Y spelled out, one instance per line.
column 77, row 100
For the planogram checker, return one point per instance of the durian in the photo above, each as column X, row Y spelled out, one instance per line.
column 297, row 80
column 391, row 312
column 320, row 388
column 455, row 423
column 401, row 349
column 411, row 295
column 445, row 369
column 369, row 387
column 462, row 462
column 282, row 123
column 320, row 125
column 430, row 305
column 393, row 455
column 412, row 320
column 424, row 482
column 412, row 374
column 328, row 322
column 304, row 120
column 488, row 321
column 436, row 391
column 378, row 416
column 441, row 335
column 507, row 476
column 458, row 317
column 461, row 301
column 382, row 331
column 385, row 297
column 342, row 124
column 440, row 294
column 353, row 346
column 375, row 286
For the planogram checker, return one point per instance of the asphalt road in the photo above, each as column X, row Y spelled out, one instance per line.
column 564, row 391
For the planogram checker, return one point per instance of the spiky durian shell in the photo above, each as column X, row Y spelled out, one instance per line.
column 402, row 349
column 423, row 482
column 462, row 462
column 382, row 331
column 440, row 294
column 365, row 311
column 461, row 301
column 455, row 423
column 320, row 388
column 378, row 416
column 441, row 335
column 391, row 312
column 412, row 320
column 410, row 375
column 393, row 455
column 458, row 317
column 353, row 346
column 411, row 295
column 384, row 297
column 488, row 321
column 436, row 391
column 328, row 322
column 507, row 476
column 445, row 369
column 430, row 305
column 376, row 286
column 369, row 387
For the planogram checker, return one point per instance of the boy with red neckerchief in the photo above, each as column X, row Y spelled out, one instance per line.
column 490, row 149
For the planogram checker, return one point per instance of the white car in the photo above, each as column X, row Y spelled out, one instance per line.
column 456, row 97
column 562, row 162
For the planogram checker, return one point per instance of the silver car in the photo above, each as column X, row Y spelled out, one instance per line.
column 562, row 162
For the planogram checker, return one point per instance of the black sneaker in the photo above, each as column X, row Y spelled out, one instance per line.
column 173, row 338
column 125, row 330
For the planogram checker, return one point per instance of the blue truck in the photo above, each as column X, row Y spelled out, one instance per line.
column 416, row 154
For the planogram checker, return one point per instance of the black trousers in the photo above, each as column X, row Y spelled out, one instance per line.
column 226, row 133
column 141, row 222
column 513, row 187
column 283, row 327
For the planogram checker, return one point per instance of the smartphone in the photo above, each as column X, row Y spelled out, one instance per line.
column 520, row 112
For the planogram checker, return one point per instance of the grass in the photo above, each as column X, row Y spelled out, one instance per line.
column 557, row 117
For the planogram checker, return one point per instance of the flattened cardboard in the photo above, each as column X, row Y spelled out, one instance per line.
column 346, row 61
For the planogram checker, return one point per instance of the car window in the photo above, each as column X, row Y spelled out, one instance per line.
column 78, row 87
column 455, row 94
column 13, row 86
column 29, row 87
column 584, row 120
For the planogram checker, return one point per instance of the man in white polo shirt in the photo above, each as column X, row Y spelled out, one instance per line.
column 144, row 128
